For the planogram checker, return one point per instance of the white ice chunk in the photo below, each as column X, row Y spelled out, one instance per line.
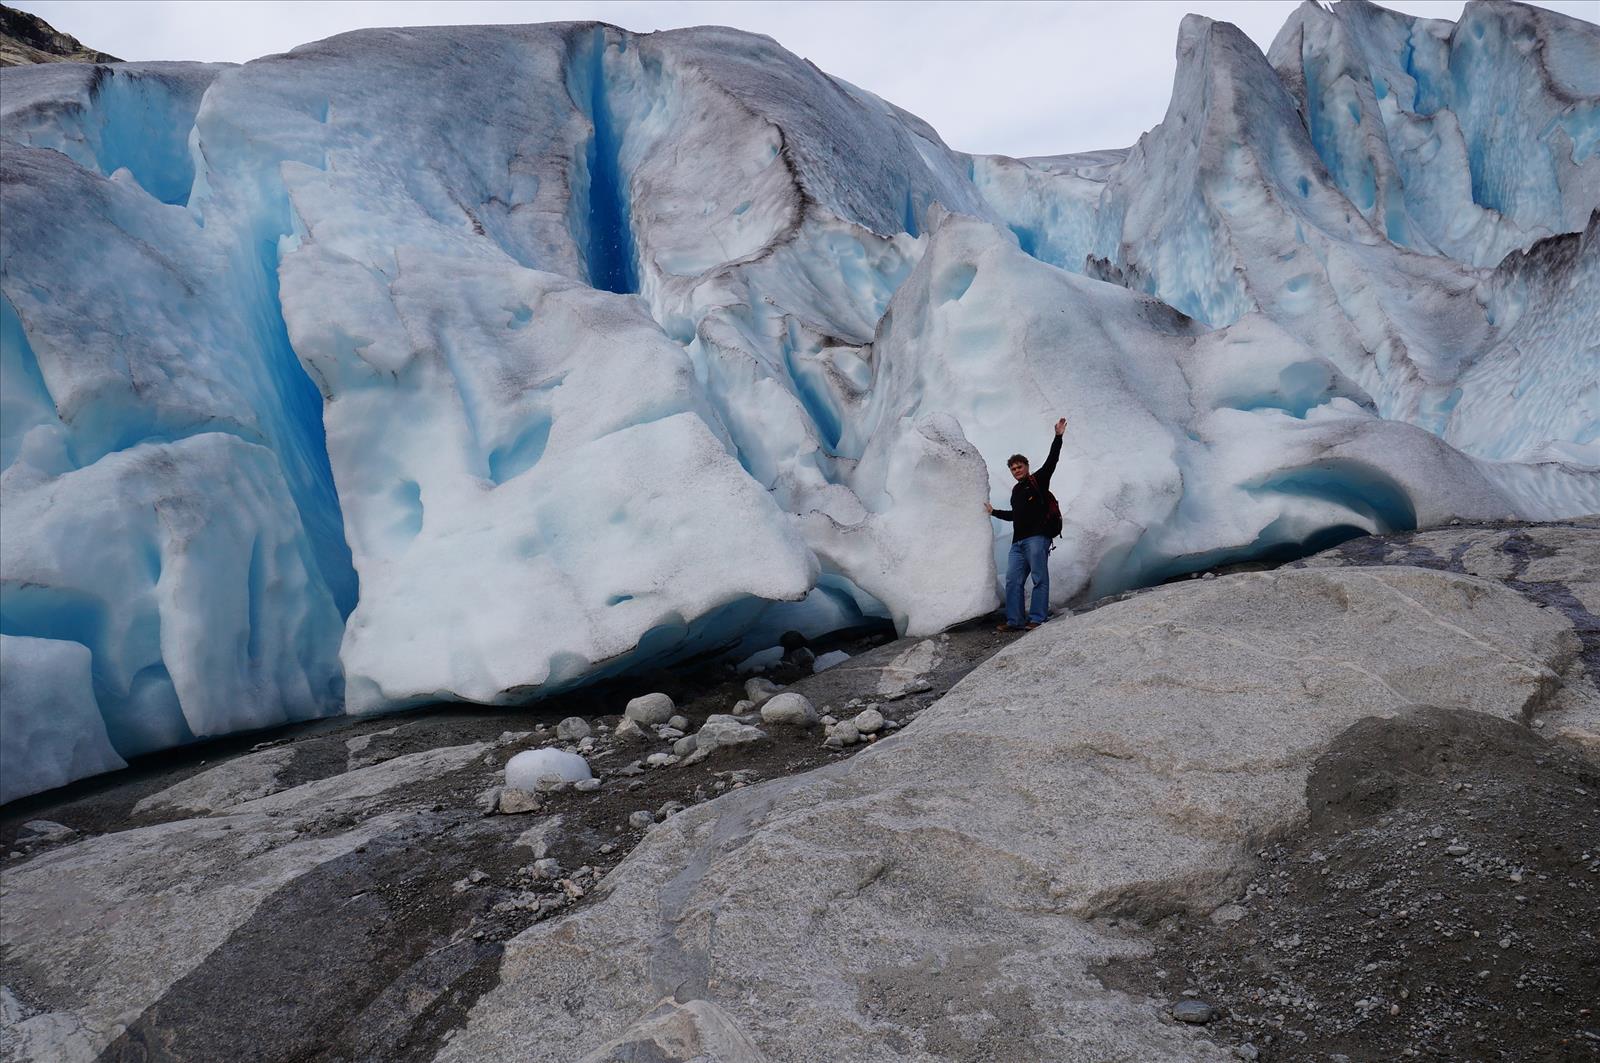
column 527, row 769
column 828, row 660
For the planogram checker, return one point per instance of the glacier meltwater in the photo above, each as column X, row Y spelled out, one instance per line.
column 474, row 363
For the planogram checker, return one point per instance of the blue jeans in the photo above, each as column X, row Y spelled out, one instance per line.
column 1029, row 557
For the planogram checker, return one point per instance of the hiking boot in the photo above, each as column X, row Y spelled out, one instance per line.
column 1006, row 629
column 1031, row 625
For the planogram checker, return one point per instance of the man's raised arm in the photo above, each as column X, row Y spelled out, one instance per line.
column 1049, row 466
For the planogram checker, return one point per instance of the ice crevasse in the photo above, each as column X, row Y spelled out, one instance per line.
column 474, row 363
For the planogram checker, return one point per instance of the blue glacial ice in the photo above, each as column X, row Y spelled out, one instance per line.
column 373, row 374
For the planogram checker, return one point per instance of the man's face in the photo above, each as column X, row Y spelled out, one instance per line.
column 1019, row 469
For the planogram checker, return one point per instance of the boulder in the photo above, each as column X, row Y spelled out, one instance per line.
column 572, row 729
column 722, row 732
column 650, row 709
column 869, row 721
column 788, row 710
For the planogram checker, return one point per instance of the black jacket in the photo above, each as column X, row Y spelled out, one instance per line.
column 1029, row 510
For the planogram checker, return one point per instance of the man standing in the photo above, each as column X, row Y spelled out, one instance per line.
column 1030, row 538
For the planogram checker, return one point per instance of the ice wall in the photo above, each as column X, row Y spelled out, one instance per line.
column 475, row 362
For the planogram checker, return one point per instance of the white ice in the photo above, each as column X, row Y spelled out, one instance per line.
column 527, row 769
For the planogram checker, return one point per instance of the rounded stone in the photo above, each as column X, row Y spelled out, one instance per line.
column 650, row 709
column 868, row 721
column 788, row 710
column 572, row 729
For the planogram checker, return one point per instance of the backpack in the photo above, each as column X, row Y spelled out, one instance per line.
column 1052, row 521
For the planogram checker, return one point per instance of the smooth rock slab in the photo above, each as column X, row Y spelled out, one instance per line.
column 234, row 782
column 1130, row 761
column 694, row 1032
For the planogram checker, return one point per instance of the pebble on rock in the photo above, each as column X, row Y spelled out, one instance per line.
column 650, row 709
column 1195, row 1011
column 629, row 731
column 641, row 819
column 680, row 721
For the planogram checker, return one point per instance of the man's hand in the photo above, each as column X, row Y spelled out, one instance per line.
column 987, row 508
column 1061, row 427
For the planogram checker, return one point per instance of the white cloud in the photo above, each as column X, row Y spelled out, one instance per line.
column 1018, row 78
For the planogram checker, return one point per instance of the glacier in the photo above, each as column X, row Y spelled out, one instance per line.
column 473, row 363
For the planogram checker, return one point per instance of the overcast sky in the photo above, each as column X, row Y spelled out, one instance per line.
column 1014, row 78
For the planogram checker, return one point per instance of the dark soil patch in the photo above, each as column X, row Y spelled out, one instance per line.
column 1443, row 903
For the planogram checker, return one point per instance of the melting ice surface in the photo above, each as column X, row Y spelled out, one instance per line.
column 350, row 379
